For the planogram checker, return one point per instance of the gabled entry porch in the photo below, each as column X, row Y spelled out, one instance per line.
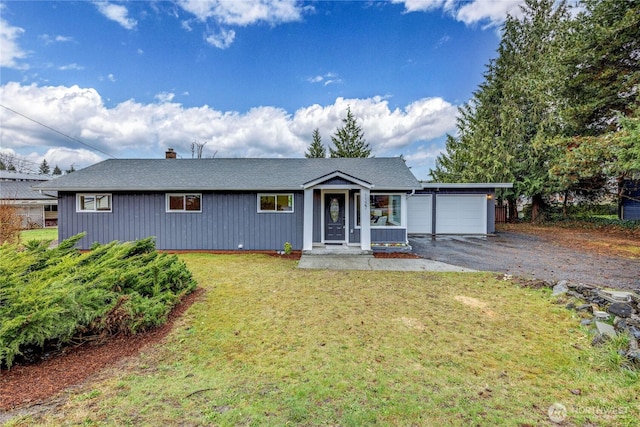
column 329, row 215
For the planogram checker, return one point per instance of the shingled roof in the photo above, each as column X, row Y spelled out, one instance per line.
column 23, row 190
column 384, row 173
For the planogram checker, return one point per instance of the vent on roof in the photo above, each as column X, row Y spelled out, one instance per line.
column 170, row 154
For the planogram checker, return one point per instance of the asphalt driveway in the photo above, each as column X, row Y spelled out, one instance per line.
column 530, row 257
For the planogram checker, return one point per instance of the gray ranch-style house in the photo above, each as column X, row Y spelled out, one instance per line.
column 232, row 204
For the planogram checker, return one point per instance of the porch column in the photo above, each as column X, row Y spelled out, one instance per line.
column 365, row 219
column 307, row 226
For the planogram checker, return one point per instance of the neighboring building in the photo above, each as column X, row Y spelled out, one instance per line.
column 251, row 204
column 36, row 207
column 630, row 203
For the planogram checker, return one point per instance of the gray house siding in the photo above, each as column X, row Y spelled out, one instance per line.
column 227, row 220
column 630, row 205
column 388, row 235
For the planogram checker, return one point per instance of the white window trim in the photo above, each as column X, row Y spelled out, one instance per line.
column 403, row 222
column 167, row 206
column 94, row 195
column 293, row 204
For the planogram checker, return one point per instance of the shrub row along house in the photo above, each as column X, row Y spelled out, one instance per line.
column 259, row 204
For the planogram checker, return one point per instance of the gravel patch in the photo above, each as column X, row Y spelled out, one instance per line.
column 531, row 257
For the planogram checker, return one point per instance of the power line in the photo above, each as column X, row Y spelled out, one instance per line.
column 58, row 132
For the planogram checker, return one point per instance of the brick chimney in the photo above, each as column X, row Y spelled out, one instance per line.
column 170, row 154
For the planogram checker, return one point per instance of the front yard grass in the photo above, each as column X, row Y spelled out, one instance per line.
column 49, row 233
column 269, row 344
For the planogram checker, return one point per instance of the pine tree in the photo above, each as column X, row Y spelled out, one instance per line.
column 57, row 171
column 349, row 139
column 44, row 167
column 316, row 150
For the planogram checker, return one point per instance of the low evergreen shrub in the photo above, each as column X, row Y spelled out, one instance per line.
column 60, row 295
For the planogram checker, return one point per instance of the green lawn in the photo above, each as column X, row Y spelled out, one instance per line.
column 269, row 344
column 39, row 234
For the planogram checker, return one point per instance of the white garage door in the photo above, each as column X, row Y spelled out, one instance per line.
column 419, row 214
column 461, row 214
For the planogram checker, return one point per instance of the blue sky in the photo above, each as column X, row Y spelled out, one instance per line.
column 249, row 78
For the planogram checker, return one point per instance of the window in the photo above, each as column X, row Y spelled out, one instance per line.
column 184, row 203
column 386, row 210
column 275, row 202
column 93, row 202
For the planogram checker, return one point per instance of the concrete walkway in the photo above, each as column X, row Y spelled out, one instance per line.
column 369, row 262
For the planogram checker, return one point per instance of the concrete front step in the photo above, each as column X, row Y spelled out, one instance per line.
column 341, row 250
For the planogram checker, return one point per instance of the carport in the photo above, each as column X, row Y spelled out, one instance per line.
column 453, row 208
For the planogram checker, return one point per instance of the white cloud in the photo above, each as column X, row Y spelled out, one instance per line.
column 47, row 39
column 117, row 13
column 245, row 12
column 111, row 78
column 225, row 14
column 133, row 129
column 73, row 66
column 222, row 39
column 326, row 79
column 491, row 12
column 165, row 96
column 10, row 51
column 420, row 5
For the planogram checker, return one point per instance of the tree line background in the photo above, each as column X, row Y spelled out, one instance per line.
column 558, row 111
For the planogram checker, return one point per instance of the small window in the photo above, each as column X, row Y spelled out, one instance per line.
column 275, row 202
column 93, row 202
column 184, row 203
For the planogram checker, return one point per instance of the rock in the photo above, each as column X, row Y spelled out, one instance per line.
column 570, row 306
column 584, row 307
column 634, row 332
column 601, row 315
column 575, row 294
column 615, row 296
column 598, row 340
column 560, row 289
column 605, row 329
column 620, row 309
column 586, row 322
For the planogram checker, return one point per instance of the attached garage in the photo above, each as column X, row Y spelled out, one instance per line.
column 453, row 208
column 419, row 216
column 461, row 214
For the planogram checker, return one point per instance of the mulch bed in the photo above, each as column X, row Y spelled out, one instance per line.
column 25, row 385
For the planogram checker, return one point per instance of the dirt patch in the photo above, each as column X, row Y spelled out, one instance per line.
column 475, row 303
column 26, row 385
column 603, row 242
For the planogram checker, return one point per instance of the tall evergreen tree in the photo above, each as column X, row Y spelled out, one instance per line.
column 56, row 171
column 44, row 168
column 503, row 131
column 603, row 64
column 316, row 150
column 349, row 139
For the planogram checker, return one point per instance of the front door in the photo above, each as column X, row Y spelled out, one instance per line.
column 334, row 217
